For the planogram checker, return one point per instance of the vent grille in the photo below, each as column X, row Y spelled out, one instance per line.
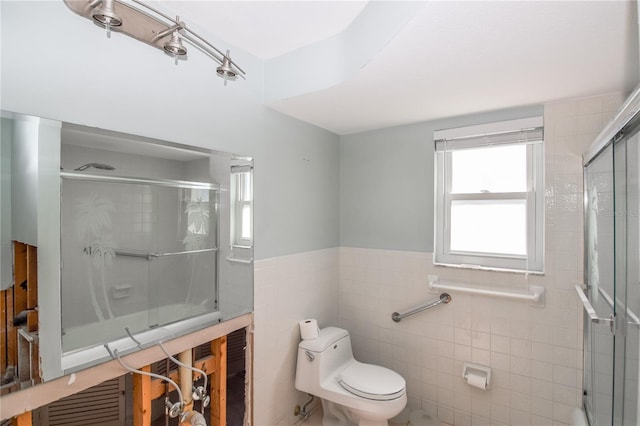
column 101, row 405
column 236, row 345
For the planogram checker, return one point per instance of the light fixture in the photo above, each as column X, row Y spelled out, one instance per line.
column 225, row 69
column 175, row 46
column 154, row 28
column 105, row 15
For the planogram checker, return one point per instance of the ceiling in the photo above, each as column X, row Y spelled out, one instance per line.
column 450, row 58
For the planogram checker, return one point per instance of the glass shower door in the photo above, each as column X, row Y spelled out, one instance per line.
column 627, row 256
column 612, row 275
column 599, row 342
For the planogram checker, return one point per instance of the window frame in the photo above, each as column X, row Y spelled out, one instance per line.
column 238, row 203
column 533, row 261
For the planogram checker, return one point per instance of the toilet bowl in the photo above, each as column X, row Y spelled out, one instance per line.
column 352, row 393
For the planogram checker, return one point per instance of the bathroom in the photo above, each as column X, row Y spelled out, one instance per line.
column 344, row 219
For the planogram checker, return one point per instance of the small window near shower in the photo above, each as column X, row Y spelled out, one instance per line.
column 241, row 211
column 489, row 205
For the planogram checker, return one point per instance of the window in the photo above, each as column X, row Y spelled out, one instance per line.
column 242, row 197
column 489, row 196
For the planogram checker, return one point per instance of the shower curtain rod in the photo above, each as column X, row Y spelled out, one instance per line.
column 142, row 181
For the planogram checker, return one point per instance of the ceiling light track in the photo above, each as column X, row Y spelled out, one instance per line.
column 154, row 28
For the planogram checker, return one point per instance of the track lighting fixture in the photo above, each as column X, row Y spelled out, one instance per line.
column 225, row 70
column 105, row 15
column 153, row 28
column 175, row 46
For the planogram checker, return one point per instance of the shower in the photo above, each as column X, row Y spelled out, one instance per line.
column 99, row 166
column 611, row 294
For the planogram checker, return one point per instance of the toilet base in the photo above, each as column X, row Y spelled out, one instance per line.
column 339, row 415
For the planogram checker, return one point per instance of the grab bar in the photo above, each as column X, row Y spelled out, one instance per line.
column 444, row 298
column 588, row 307
column 149, row 256
column 593, row 316
column 535, row 295
column 237, row 260
column 591, row 312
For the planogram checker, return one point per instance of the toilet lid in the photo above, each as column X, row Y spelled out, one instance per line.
column 372, row 382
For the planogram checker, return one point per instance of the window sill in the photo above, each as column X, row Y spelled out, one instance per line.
column 488, row 268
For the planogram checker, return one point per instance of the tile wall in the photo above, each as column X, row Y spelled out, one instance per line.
column 535, row 353
column 288, row 289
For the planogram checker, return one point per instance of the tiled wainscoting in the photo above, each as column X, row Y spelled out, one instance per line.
column 287, row 290
column 535, row 352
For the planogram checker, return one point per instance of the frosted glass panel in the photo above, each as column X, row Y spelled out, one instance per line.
column 496, row 226
column 495, row 169
column 134, row 256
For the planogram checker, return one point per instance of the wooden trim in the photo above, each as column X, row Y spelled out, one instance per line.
column 20, row 282
column 12, row 333
column 219, row 383
column 3, row 332
column 32, row 278
column 32, row 321
column 141, row 398
column 24, row 419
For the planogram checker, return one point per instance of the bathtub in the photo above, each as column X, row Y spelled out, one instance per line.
column 89, row 338
column 579, row 418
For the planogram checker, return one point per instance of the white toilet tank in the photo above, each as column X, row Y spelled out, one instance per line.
column 319, row 358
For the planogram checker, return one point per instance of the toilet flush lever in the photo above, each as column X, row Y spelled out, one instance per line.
column 310, row 356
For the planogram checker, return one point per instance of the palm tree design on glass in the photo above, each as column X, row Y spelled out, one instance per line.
column 93, row 228
column 197, row 232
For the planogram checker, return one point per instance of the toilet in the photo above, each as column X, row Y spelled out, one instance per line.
column 352, row 393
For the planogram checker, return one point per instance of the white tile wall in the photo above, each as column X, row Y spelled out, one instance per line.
column 535, row 353
column 287, row 290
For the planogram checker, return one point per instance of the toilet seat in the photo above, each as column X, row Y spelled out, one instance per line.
column 372, row 382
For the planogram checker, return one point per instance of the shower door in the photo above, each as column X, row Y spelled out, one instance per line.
column 612, row 232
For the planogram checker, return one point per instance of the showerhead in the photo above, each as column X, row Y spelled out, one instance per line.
column 99, row 166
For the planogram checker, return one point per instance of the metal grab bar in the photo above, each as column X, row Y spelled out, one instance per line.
column 150, row 256
column 238, row 260
column 444, row 298
column 591, row 312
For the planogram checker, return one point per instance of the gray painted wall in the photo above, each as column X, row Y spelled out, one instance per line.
column 121, row 84
column 386, row 182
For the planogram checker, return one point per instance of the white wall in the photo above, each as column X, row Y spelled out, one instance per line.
column 77, row 74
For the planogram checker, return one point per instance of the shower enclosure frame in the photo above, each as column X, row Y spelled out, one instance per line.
column 600, row 407
column 84, row 355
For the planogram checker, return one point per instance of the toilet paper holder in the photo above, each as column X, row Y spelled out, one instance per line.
column 475, row 371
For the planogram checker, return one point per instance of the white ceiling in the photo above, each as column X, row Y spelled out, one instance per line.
column 267, row 29
column 452, row 58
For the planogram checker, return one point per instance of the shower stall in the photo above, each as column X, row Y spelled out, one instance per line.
column 611, row 295
column 137, row 254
